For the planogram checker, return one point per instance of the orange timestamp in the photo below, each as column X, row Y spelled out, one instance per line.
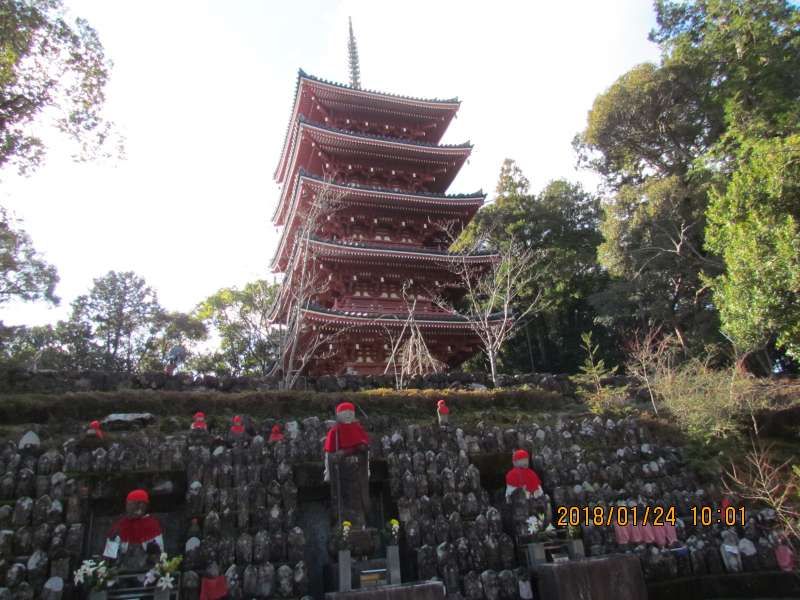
column 699, row 516
column 576, row 516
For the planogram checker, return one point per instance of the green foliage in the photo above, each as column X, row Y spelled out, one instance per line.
column 754, row 226
column 169, row 329
column 36, row 347
column 51, row 70
column 24, row 274
column 241, row 320
column 42, row 408
column 559, row 225
column 708, row 403
column 600, row 398
column 664, row 136
column 115, row 318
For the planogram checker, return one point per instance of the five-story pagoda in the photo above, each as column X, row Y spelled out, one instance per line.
column 366, row 225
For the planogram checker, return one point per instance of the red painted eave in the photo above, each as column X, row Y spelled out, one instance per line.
column 381, row 101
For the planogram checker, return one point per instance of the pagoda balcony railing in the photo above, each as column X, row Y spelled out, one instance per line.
column 384, row 306
column 413, row 249
column 358, row 186
column 444, row 316
column 381, row 138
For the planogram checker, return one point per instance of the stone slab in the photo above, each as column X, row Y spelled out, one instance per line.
column 430, row 590
column 614, row 577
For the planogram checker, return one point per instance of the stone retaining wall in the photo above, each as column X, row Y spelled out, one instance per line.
column 19, row 381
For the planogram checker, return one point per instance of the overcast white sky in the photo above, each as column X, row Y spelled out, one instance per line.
column 202, row 91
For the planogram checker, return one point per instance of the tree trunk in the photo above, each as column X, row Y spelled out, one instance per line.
column 530, row 347
column 542, row 351
column 493, row 366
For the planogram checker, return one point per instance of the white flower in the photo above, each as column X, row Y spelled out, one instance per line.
column 163, row 557
column 150, row 578
column 533, row 524
column 166, row 582
column 79, row 576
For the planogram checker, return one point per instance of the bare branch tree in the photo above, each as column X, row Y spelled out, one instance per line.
column 777, row 486
column 409, row 355
column 300, row 342
column 494, row 292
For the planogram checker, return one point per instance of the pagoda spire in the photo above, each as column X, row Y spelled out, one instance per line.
column 352, row 51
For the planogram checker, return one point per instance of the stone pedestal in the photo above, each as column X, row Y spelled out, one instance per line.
column 349, row 481
column 393, row 564
column 345, row 571
column 535, row 554
column 575, row 549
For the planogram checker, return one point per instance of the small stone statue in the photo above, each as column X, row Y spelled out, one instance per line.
column 522, row 476
column 347, row 467
column 199, row 422
column 237, row 425
column 93, row 437
column 276, row 435
column 137, row 533
column 442, row 412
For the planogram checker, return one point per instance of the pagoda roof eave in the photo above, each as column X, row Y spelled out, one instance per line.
column 448, row 105
column 382, row 321
column 385, row 95
column 300, row 123
column 358, row 250
column 467, row 203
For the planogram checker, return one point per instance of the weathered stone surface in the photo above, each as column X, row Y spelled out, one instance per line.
column 53, row 589
column 30, row 441
column 127, row 421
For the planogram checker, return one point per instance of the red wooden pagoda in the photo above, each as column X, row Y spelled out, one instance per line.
column 379, row 155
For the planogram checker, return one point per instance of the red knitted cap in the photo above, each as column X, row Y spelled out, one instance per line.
column 199, row 415
column 276, row 428
column 138, row 496
column 521, row 455
column 345, row 406
column 95, row 424
column 237, row 420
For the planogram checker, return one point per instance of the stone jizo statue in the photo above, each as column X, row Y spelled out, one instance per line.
column 521, row 476
column 347, row 467
column 442, row 412
column 136, row 534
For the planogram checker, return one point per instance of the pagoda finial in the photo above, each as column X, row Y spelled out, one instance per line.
column 352, row 51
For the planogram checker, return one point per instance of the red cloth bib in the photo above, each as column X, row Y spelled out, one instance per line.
column 524, row 478
column 237, row 428
column 199, row 425
column 136, row 531
column 213, row 588
column 275, row 437
column 348, row 435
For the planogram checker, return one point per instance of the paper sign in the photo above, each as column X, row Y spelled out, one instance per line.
column 112, row 549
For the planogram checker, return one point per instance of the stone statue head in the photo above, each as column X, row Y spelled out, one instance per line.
column 345, row 412
column 136, row 504
column 521, row 458
column 95, row 430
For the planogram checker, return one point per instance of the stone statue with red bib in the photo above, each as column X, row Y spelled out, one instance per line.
column 137, row 533
column 347, row 467
column 521, row 476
